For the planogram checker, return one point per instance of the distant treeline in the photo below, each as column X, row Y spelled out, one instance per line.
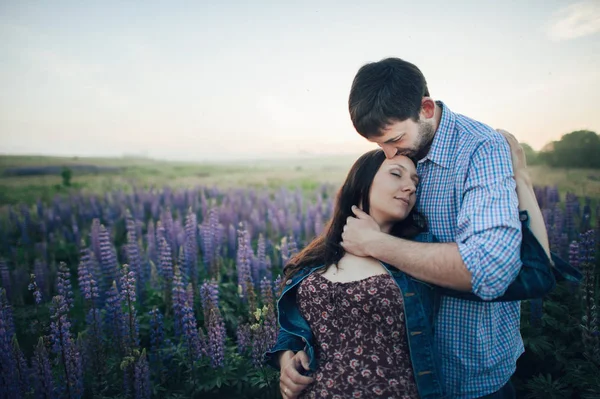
column 579, row 149
column 56, row 170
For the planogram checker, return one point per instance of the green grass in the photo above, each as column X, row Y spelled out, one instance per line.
column 305, row 174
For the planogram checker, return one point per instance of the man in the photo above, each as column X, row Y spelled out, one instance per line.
column 467, row 192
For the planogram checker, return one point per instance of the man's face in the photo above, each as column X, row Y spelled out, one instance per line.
column 407, row 137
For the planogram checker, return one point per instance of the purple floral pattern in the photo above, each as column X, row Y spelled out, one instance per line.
column 360, row 338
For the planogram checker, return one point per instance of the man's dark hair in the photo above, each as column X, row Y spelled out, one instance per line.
column 384, row 92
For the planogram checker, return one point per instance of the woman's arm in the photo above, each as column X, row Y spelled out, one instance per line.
column 527, row 199
column 536, row 277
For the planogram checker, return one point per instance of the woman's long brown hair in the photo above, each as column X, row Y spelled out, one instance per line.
column 326, row 249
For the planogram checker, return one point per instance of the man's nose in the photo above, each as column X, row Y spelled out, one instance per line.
column 389, row 151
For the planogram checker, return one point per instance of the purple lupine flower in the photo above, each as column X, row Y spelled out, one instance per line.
column 268, row 269
column 243, row 337
column 37, row 295
column 132, row 249
column 244, row 259
column 95, row 238
column 42, row 379
column 211, row 239
column 191, row 245
column 166, row 261
column 231, row 240
column 142, row 377
column 152, row 246
column 113, row 319
column 166, row 219
column 216, row 338
column 574, row 261
column 6, row 316
column 190, row 333
column 22, row 374
column 108, row 259
column 319, row 225
column 189, row 294
column 181, row 264
column 64, row 347
column 179, row 301
column 293, row 247
column 5, row 277
column 63, row 284
column 266, row 292
column 157, row 330
column 285, row 251
column 9, row 386
column 87, row 283
column 92, row 348
column 261, row 256
column 570, row 215
column 574, row 254
column 590, row 318
column 277, row 285
column 209, row 296
column 262, row 336
column 128, row 298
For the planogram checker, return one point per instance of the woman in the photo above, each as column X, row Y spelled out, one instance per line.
column 350, row 321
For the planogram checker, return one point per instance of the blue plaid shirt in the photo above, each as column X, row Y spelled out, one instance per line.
column 467, row 192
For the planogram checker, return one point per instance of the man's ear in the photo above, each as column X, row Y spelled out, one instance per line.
column 427, row 108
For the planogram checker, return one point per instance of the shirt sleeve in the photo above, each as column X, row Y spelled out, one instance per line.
column 488, row 225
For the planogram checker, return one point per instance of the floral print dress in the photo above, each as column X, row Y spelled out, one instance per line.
column 360, row 338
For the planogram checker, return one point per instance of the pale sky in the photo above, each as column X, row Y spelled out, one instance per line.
column 254, row 79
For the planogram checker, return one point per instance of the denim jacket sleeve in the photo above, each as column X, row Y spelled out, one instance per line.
column 285, row 342
column 537, row 276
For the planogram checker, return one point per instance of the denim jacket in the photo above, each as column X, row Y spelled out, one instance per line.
column 537, row 277
column 419, row 309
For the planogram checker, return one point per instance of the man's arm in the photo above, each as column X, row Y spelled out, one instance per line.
column 485, row 258
column 438, row 263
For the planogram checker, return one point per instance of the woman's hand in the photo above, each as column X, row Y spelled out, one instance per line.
column 519, row 160
column 291, row 382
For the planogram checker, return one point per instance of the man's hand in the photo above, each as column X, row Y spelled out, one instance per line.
column 291, row 382
column 358, row 233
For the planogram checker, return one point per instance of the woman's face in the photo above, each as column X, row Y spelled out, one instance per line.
column 392, row 194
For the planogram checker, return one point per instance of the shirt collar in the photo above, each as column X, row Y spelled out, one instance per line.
column 444, row 141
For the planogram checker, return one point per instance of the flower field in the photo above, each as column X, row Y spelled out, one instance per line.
column 171, row 293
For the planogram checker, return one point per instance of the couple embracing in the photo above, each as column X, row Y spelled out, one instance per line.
column 413, row 288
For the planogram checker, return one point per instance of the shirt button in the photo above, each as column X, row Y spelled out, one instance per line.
column 288, row 282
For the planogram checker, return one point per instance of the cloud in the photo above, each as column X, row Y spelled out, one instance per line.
column 574, row 21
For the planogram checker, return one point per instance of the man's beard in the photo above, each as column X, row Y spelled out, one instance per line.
column 424, row 140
